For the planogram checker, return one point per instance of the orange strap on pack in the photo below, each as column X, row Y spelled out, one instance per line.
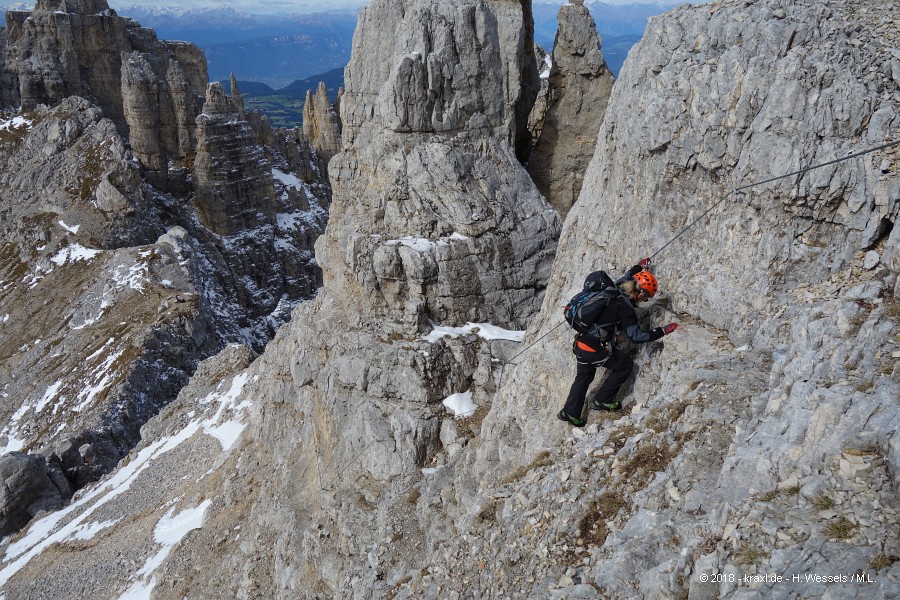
column 584, row 346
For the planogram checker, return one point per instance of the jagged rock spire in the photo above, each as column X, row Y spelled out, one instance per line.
column 579, row 88
column 321, row 122
column 234, row 184
column 237, row 98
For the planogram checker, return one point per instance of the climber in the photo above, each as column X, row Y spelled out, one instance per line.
column 637, row 285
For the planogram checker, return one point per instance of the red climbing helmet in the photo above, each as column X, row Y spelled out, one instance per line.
column 647, row 282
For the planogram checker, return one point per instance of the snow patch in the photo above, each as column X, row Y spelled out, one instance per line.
column 13, row 443
column 483, row 330
column 89, row 530
column 168, row 532
column 417, row 244
column 15, row 123
column 74, row 253
column 98, row 380
column 548, row 64
column 291, row 221
column 461, row 404
column 73, row 229
column 47, row 397
column 287, row 179
column 71, row 521
column 228, row 432
column 132, row 276
column 283, row 245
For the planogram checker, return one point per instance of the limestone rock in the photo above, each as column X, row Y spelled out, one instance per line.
column 113, row 290
column 442, row 57
column 760, row 437
column 539, row 110
column 321, row 123
column 424, row 225
column 268, row 218
column 237, row 98
column 579, row 85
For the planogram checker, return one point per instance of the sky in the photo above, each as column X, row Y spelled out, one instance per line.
column 254, row 6
column 302, row 6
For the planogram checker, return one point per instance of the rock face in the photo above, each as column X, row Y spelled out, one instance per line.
column 152, row 90
column 26, row 490
column 321, row 123
column 578, row 91
column 539, row 110
column 760, row 440
column 750, row 422
column 456, row 98
column 248, row 197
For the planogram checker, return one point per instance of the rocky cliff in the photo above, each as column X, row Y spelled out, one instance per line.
column 758, row 453
column 760, row 438
column 122, row 265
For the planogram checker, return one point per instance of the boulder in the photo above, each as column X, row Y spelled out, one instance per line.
column 26, row 490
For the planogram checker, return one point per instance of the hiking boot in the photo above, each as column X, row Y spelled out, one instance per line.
column 564, row 416
column 607, row 406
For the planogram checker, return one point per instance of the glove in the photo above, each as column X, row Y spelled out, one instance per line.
column 670, row 328
column 644, row 262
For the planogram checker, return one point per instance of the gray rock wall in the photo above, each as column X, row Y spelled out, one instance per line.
column 101, row 324
column 235, row 190
column 715, row 97
column 424, row 226
column 112, row 289
column 444, row 82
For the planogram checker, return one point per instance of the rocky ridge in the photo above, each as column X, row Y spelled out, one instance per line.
column 151, row 89
column 759, row 441
column 121, row 266
column 799, row 275
column 396, row 252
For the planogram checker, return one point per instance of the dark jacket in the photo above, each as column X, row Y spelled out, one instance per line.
column 621, row 316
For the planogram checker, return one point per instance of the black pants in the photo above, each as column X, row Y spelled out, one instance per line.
column 619, row 366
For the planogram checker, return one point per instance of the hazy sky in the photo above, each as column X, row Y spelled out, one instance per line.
column 254, row 6
column 300, row 6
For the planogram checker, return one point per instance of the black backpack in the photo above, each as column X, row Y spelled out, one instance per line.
column 586, row 306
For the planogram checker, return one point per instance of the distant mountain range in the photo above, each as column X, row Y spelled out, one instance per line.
column 279, row 49
column 272, row 49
